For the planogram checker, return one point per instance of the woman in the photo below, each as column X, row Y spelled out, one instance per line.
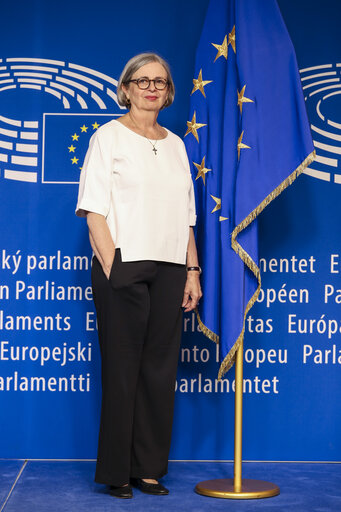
column 137, row 194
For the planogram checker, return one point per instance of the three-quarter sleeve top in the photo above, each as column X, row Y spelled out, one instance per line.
column 147, row 199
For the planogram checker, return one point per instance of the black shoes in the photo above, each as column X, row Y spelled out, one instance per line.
column 156, row 489
column 125, row 491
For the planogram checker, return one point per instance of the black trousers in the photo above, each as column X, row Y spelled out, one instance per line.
column 139, row 325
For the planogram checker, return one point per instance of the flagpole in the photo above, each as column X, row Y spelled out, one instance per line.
column 237, row 488
column 238, row 410
column 238, row 421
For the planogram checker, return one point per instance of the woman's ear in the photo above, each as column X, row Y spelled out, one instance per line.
column 125, row 89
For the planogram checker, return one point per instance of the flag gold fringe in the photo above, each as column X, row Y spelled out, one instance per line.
column 205, row 330
column 246, row 258
column 229, row 359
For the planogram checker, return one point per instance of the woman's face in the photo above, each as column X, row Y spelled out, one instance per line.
column 150, row 99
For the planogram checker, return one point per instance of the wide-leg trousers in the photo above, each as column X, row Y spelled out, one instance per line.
column 139, row 326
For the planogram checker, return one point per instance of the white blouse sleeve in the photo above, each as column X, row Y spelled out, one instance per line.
column 191, row 199
column 95, row 181
column 192, row 212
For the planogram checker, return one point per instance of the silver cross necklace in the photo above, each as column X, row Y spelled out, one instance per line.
column 154, row 148
column 152, row 143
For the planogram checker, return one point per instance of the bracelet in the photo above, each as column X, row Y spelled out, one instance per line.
column 198, row 269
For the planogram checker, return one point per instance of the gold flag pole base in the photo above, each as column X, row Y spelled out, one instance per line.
column 225, row 488
column 237, row 488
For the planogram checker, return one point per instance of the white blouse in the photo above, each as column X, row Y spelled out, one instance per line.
column 147, row 199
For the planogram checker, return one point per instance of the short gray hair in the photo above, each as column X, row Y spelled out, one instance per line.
column 136, row 63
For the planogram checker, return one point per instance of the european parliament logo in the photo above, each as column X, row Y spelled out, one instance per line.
column 322, row 91
column 49, row 143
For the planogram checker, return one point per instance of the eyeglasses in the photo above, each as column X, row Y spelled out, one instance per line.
column 144, row 83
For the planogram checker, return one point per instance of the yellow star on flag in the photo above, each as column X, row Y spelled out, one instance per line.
column 199, row 84
column 75, row 136
column 84, row 128
column 243, row 99
column 193, row 126
column 222, row 49
column 218, row 203
column 201, row 170
column 241, row 145
column 74, row 160
column 95, row 125
column 221, row 219
column 232, row 38
column 71, row 148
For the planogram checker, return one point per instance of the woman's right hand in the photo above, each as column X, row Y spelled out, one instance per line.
column 101, row 242
column 107, row 268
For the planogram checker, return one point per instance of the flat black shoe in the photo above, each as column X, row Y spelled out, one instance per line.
column 124, row 491
column 157, row 489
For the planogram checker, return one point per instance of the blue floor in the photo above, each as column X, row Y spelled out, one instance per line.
column 50, row 486
column 8, row 473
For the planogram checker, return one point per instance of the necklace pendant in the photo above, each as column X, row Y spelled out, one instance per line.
column 155, row 150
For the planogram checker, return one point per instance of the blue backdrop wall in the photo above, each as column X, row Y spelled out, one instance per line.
column 59, row 66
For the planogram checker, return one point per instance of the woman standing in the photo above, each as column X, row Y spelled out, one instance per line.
column 137, row 194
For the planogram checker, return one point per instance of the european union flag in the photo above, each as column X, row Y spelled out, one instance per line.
column 65, row 142
column 248, row 139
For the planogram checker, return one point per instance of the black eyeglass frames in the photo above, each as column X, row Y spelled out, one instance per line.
column 144, row 83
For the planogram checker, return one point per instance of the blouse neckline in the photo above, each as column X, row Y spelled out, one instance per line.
column 142, row 136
